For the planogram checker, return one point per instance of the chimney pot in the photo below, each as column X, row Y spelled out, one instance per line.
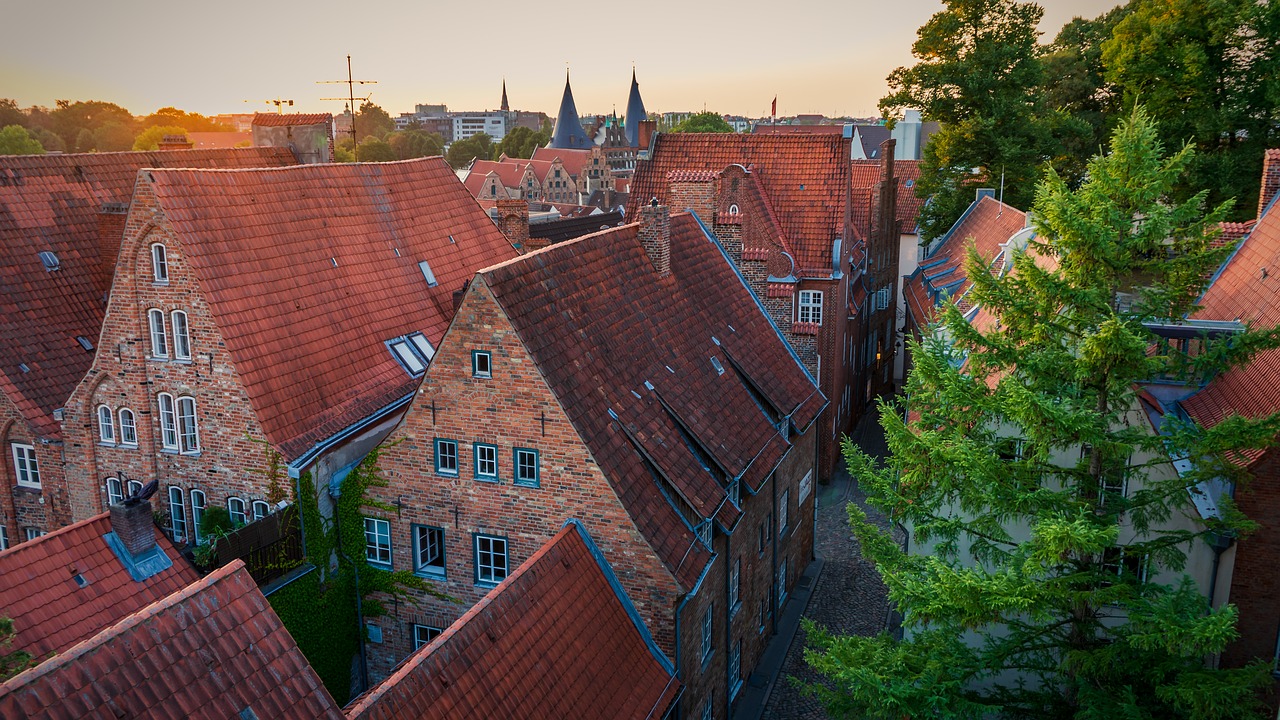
column 134, row 526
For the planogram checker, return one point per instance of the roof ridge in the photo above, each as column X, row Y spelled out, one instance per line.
column 299, row 168
column 55, row 533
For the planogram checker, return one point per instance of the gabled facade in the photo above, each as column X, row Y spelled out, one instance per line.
column 267, row 311
column 308, row 135
column 628, row 380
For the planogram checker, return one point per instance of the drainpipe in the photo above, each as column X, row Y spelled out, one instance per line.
column 355, row 567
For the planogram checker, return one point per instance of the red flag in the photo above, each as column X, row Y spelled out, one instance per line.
column 774, row 111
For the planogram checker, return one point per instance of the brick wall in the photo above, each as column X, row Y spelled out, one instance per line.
column 44, row 509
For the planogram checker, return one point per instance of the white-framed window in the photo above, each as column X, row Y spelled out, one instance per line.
column 198, row 504
column 177, row 514
column 181, row 335
column 704, row 532
column 188, row 432
column 424, row 634
column 783, row 502
column 446, row 452
column 428, row 551
column 159, row 263
column 527, row 471
column 377, row 541
column 115, row 492
column 735, row 669
column 707, row 618
column 133, row 487
column 708, row 710
column 168, row 422
column 25, row 465
column 806, row 484
column 481, row 364
column 735, row 492
column 735, row 580
column 106, row 425
column 4, row 537
column 235, row 507
column 260, row 509
column 128, row 428
column 32, row 533
column 809, row 307
column 491, row 559
column 159, row 336
column 486, row 457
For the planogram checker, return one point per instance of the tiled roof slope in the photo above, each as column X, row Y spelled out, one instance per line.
column 51, row 612
column 1244, row 291
column 554, row 231
column 629, row 356
column 309, row 270
column 763, row 129
column 290, row 119
column 214, row 649
column 989, row 223
column 573, row 160
column 509, row 173
column 52, row 202
column 806, row 177
column 865, row 174
column 555, row 640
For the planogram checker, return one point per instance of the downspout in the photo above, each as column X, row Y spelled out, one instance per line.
column 355, row 567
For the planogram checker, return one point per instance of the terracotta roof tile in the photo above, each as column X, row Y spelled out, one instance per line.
column 212, row 649
column 309, row 270
column 554, row 231
column 805, row 176
column 557, row 639
column 865, row 176
column 51, row 612
column 52, row 202
column 573, row 160
column 633, row 359
column 763, row 129
column 290, row 119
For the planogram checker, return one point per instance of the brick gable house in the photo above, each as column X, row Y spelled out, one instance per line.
column 61, row 221
column 630, row 380
column 292, row 309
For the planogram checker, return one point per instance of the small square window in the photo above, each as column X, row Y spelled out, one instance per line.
column 377, row 542
column 428, row 551
column 481, row 364
column 424, row 634
column 446, row 456
column 486, row 462
column 491, row 559
column 527, row 471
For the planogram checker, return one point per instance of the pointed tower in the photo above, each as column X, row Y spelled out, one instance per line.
column 568, row 132
column 505, row 107
column 635, row 112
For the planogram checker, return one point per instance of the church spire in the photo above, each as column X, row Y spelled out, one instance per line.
column 568, row 132
column 635, row 112
column 505, row 107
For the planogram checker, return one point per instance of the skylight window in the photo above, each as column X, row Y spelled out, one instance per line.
column 84, row 342
column 407, row 357
column 49, row 260
column 423, row 346
column 425, row 267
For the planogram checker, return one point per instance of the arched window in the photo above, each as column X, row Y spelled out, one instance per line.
column 132, row 487
column 159, row 263
column 260, row 509
column 168, row 422
column 197, row 514
column 181, row 336
column 177, row 514
column 733, row 209
column 106, row 425
column 128, row 430
column 188, row 433
column 235, row 506
column 159, row 340
column 115, row 493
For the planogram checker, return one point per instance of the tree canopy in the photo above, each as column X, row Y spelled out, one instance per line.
column 373, row 121
column 16, row 140
column 1049, row 532
column 520, row 142
column 462, row 152
column 408, row 144
column 150, row 138
column 703, row 122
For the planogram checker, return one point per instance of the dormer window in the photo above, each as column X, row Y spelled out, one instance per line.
column 809, row 309
column 159, row 263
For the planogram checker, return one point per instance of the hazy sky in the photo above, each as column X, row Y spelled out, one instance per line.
column 822, row 56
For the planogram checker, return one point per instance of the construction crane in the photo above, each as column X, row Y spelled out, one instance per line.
column 278, row 102
column 350, row 99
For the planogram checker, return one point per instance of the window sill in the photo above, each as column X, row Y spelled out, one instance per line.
column 429, row 575
column 484, row 376
column 102, row 443
column 33, row 489
column 181, row 361
column 446, row 473
column 489, row 583
column 127, row 446
column 734, row 689
column 706, row 659
column 378, row 565
column 733, row 611
column 153, row 358
column 527, row 484
column 183, row 453
column 493, row 479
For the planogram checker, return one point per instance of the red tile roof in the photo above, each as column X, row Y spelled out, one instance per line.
column 220, row 140
column 1246, row 289
column 630, row 357
column 763, row 129
column 290, row 119
column 806, row 177
column 212, row 649
column 510, row 173
column 573, row 160
column 52, row 202
column 51, row 612
column 865, row 175
column 557, row 639
column 309, row 270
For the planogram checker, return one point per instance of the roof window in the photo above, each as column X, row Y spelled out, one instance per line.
column 24, row 368
column 407, row 357
column 425, row 267
column 716, row 364
column 84, row 342
column 49, row 260
column 422, row 345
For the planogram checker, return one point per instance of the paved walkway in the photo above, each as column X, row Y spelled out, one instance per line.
column 849, row 598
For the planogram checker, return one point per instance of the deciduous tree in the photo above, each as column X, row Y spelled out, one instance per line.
column 703, row 122
column 15, row 140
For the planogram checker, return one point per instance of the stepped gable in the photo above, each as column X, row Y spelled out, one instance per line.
column 54, row 203
column 309, row 270
column 662, row 376
column 557, row 639
column 214, row 648
column 806, row 178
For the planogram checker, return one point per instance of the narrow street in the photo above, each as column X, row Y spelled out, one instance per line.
column 849, row 597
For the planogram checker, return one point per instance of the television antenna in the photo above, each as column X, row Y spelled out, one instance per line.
column 350, row 99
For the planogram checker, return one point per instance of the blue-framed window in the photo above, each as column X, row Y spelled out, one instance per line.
column 706, row 634
column 428, row 551
column 486, row 457
column 527, row 469
column 481, row 364
column 377, row 542
column 446, row 452
column 424, row 634
column 492, row 562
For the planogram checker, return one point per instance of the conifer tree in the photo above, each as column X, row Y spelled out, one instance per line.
column 1033, row 586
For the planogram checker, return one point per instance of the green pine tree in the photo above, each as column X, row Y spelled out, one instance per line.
column 1034, row 589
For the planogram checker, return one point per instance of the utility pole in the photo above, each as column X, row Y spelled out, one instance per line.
column 350, row 100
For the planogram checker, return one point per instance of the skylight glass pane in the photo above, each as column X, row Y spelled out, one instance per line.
column 408, row 357
column 423, row 345
column 426, row 273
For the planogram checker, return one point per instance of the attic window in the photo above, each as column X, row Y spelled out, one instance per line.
column 84, row 342
column 24, row 368
column 425, row 267
column 733, row 209
column 716, row 364
column 407, row 357
column 49, row 260
column 422, row 345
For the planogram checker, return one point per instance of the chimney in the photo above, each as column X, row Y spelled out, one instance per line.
column 655, row 236
column 1270, row 179
column 648, row 128
column 458, row 295
column 888, row 221
column 133, row 525
column 175, row 142
column 111, row 222
column 695, row 190
column 513, row 221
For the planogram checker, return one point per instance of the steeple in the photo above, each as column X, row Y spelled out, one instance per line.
column 635, row 112
column 568, row 132
column 505, row 107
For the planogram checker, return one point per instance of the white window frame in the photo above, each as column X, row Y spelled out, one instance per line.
column 446, row 443
column 782, row 580
column 26, row 466
column 259, row 509
column 129, row 429
column 429, row 557
column 809, row 306
column 33, row 532
column 115, row 491
column 424, row 634
column 486, row 461
column 168, row 422
column 159, row 334
column 708, row 630
column 188, row 426
column 199, row 501
column 106, row 425
column 240, row 516
column 377, row 542
column 181, row 340
column 708, row 710
column 132, row 487
column 159, row 263
column 4, row 537
column 487, row 572
column 177, row 514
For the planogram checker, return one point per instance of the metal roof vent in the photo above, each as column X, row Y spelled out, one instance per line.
column 49, row 260
column 84, row 342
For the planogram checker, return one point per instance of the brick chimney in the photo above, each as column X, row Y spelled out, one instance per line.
column 655, row 236
column 111, row 222
column 175, row 142
column 1270, row 178
column 513, row 221
column 648, row 128
column 134, row 526
column 694, row 190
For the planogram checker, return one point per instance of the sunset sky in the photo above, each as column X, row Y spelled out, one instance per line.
column 828, row 57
